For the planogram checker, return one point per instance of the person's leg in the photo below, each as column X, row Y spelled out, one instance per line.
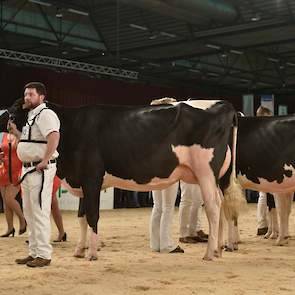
column 195, row 211
column 57, row 217
column 184, row 213
column 8, row 214
column 155, row 221
column 42, row 209
column 28, row 213
column 168, row 203
column 261, row 214
column 13, row 204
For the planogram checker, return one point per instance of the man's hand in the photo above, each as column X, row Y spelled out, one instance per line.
column 41, row 166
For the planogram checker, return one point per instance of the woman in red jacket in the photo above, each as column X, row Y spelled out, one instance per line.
column 10, row 170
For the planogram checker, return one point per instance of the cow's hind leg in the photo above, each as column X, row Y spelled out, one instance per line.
column 91, row 191
column 212, row 204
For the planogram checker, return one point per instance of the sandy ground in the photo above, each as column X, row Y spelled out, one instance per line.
column 127, row 266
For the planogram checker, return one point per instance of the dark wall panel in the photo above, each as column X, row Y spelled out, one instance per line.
column 78, row 89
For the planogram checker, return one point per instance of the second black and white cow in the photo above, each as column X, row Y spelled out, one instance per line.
column 143, row 148
column 266, row 161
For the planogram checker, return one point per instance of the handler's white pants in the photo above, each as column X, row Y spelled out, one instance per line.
column 262, row 210
column 190, row 209
column 38, row 214
column 161, row 219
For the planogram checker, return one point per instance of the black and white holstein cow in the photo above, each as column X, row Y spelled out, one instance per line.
column 266, row 162
column 142, row 149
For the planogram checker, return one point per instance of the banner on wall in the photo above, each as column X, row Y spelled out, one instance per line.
column 267, row 101
column 248, row 104
column 282, row 110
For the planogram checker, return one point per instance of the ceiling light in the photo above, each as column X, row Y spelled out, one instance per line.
column 213, row 46
column 153, row 35
column 40, row 2
column 168, row 34
column 255, row 18
column 81, row 49
column 138, row 27
column 273, row 59
column 76, row 11
column 194, row 70
column 58, row 13
column 213, row 74
column 236, row 51
column 290, row 64
column 48, row 43
column 154, row 64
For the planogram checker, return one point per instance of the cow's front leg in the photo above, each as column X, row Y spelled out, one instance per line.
column 91, row 190
column 283, row 205
column 212, row 204
column 81, row 246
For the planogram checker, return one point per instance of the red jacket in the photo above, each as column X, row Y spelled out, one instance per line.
column 14, row 165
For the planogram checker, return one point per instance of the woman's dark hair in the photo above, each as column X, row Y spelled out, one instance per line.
column 40, row 87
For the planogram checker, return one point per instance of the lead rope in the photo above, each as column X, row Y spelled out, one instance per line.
column 9, row 158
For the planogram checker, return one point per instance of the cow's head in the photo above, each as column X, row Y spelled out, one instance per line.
column 16, row 113
column 3, row 121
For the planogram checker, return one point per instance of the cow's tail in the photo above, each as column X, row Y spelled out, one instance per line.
column 233, row 195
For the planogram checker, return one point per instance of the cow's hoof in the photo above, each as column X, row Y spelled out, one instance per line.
column 273, row 236
column 91, row 258
column 79, row 253
column 267, row 235
column 207, row 258
column 229, row 248
column 281, row 242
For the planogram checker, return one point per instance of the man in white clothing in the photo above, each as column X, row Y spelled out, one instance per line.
column 37, row 151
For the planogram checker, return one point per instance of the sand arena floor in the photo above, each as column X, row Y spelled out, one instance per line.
column 127, row 266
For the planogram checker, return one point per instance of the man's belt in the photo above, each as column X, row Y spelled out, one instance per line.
column 33, row 164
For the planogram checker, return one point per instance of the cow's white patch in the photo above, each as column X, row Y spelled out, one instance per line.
column 264, row 185
column 199, row 104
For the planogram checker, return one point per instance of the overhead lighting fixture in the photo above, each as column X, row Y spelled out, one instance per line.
column 291, row 64
column 40, row 2
column 194, row 70
column 213, row 74
column 81, row 49
column 273, row 59
column 76, row 11
column 58, row 13
column 255, row 18
column 236, row 51
column 153, row 36
column 154, row 64
column 168, row 34
column 213, row 46
column 48, row 43
column 138, row 27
